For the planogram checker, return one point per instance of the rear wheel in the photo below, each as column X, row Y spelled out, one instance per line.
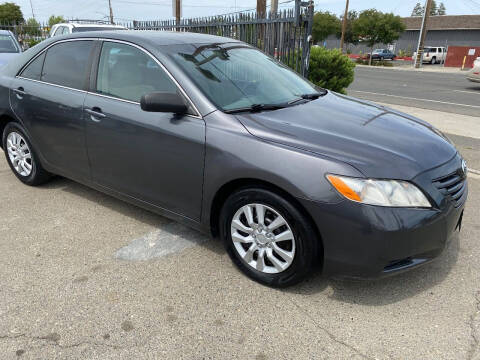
column 21, row 156
column 434, row 60
column 267, row 237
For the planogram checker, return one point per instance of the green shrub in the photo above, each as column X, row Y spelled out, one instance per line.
column 330, row 69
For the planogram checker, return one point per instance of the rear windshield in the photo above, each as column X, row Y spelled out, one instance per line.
column 8, row 45
column 94, row 28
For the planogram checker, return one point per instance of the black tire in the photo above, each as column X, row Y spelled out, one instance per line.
column 434, row 60
column 38, row 174
column 306, row 240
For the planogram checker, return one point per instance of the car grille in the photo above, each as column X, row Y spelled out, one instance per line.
column 452, row 186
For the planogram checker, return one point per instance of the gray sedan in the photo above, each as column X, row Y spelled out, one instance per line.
column 213, row 133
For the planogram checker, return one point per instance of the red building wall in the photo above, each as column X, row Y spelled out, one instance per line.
column 456, row 54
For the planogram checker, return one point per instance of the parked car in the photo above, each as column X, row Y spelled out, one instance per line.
column 74, row 27
column 382, row 54
column 287, row 174
column 9, row 47
column 474, row 74
column 476, row 63
column 433, row 55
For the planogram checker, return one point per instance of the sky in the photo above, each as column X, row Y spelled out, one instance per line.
column 126, row 10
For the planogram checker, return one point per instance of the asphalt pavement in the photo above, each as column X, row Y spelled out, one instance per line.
column 448, row 92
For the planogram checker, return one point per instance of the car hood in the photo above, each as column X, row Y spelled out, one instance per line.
column 378, row 141
column 6, row 57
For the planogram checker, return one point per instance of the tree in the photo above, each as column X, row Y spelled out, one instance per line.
column 417, row 10
column 433, row 8
column 10, row 13
column 52, row 20
column 325, row 24
column 442, row 10
column 32, row 27
column 375, row 27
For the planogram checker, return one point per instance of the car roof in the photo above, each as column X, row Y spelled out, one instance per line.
column 74, row 24
column 158, row 38
column 6, row 32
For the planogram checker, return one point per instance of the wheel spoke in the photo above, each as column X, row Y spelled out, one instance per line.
column 261, row 260
column 27, row 166
column 248, row 257
column 275, row 224
column 247, row 210
column 260, row 214
column 285, row 255
column 236, row 237
column 274, row 260
column 286, row 235
column 237, row 224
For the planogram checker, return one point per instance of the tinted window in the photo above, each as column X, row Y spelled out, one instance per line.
column 34, row 69
column 66, row 64
column 128, row 73
column 7, row 44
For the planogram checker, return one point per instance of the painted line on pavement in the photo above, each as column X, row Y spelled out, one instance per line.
column 169, row 239
column 411, row 98
column 467, row 92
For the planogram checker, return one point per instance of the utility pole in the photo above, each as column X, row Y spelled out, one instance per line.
column 423, row 34
column 111, row 11
column 274, row 6
column 31, row 5
column 344, row 26
column 177, row 13
column 261, row 8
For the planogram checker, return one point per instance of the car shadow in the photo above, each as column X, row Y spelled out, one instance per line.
column 386, row 290
column 133, row 211
column 366, row 292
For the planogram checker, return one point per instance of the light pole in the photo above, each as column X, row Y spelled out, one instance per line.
column 423, row 35
column 344, row 26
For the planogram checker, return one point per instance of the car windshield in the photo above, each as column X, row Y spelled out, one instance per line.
column 94, row 28
column 237, row 76
column 377, row 51
column 8, row 45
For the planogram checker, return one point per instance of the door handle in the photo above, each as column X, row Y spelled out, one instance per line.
column 20, row 92
column 95, row 114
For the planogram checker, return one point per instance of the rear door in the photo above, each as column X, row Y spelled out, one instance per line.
column 154, row 157
column 48, row 97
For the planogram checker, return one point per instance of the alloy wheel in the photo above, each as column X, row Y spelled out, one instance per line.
column 263, row 238
column 19, row 154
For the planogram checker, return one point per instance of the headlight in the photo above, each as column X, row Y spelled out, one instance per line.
column 393, row 193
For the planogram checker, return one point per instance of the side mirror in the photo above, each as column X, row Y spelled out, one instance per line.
column 163, row 102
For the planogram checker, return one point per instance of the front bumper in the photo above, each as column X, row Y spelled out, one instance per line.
column 363, row 241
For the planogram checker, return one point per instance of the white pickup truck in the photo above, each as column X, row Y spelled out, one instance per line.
column 433, row 55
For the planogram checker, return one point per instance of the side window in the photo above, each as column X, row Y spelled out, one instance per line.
column 59, row 31
column 128, row 73
column 66, row 30
column 34, row 69
column 440, row 50
column 66, row 64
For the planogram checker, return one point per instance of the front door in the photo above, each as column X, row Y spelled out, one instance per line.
column 154, row 157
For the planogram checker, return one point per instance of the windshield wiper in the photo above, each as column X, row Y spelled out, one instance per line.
column 257, row 108
column 313, row 96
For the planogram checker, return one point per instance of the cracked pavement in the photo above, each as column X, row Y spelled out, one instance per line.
column 66, row 294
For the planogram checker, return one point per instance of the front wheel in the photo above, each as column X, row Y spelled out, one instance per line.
column 21, row 156
column 268, row 238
